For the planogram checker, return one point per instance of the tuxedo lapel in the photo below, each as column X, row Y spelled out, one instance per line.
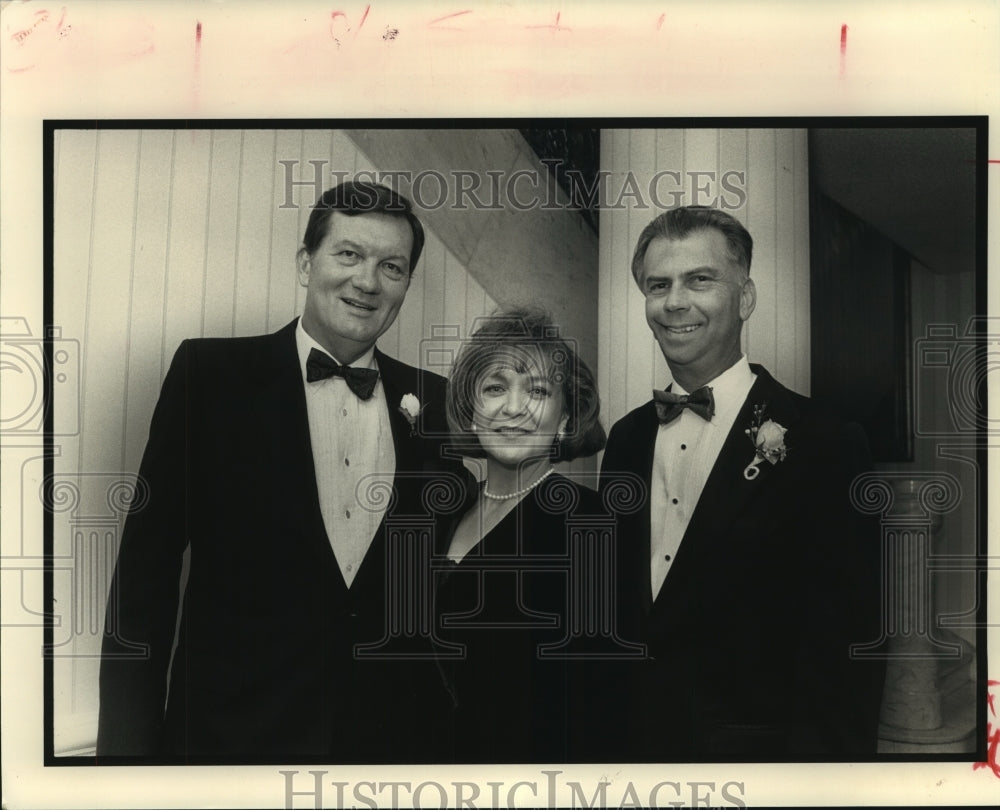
column 644, row 447
column 398, row 379
column 284, row 420
column 727, row 494
column 633, row 453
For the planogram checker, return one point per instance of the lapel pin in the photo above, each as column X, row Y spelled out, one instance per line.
column 768, row 438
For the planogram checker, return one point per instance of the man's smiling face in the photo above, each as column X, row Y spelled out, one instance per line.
column 355, row 281
column 697, row 299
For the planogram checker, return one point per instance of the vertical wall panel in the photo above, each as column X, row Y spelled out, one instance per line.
column 701, row 163
column 641, row 369
column 253, row 240
column 733, row 150
column 344, row 156
column 74, row 209
column 143, row 367
column 762, row 223
column 456, row 281
column 102, row 404
column 74, row 166
column 432, row 319
column 220, row 290
column 785, row 271
column 605, row 285
column 74, row 189
column 800, row 260
column 733, row 155
column 109, row 281
column 286, row 236
column 186, row 243
column 305, row 197
column 614, row 228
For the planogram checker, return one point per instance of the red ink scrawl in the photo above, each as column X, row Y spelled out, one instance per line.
column 435, row 23
column 555, row 27
column 843, row 48
column 992, row 734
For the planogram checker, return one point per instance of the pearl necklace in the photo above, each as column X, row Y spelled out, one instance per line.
column 519, row 492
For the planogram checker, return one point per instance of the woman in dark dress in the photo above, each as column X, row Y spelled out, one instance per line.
column 520, row 397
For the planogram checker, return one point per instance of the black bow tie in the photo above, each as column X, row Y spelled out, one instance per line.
column 321, row 366
column 669, row 405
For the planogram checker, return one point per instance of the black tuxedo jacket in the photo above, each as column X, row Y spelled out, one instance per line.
column 263, row 665
column 749, row 637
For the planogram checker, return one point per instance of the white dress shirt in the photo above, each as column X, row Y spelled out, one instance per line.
column 685, row 453
column 352, row 450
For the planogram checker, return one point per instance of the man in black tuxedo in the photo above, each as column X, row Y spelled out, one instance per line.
column 272, row 465
column 747, row 573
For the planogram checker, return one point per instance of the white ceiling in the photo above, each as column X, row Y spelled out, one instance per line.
column 917, row 186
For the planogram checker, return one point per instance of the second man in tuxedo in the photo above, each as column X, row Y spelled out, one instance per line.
column 747, row 573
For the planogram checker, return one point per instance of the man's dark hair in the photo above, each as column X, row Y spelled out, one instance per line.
column 516, row 337
column 354, row 198
column 680, row 222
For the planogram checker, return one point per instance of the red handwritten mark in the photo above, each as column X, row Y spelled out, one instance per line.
column 197, row 58
column 555, row 27
column 992, row 732
column 659, row 22
column 434, row 23
column 335, row 15
column 23, row 37
column 843, row 48
column 63, row 32
column 40, row 16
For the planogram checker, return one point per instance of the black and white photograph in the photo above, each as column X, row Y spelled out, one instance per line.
column 496, row 461
column 531, row 300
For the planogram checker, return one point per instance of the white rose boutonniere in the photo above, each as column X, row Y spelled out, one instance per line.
column 768, row 439
column 410, row 407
